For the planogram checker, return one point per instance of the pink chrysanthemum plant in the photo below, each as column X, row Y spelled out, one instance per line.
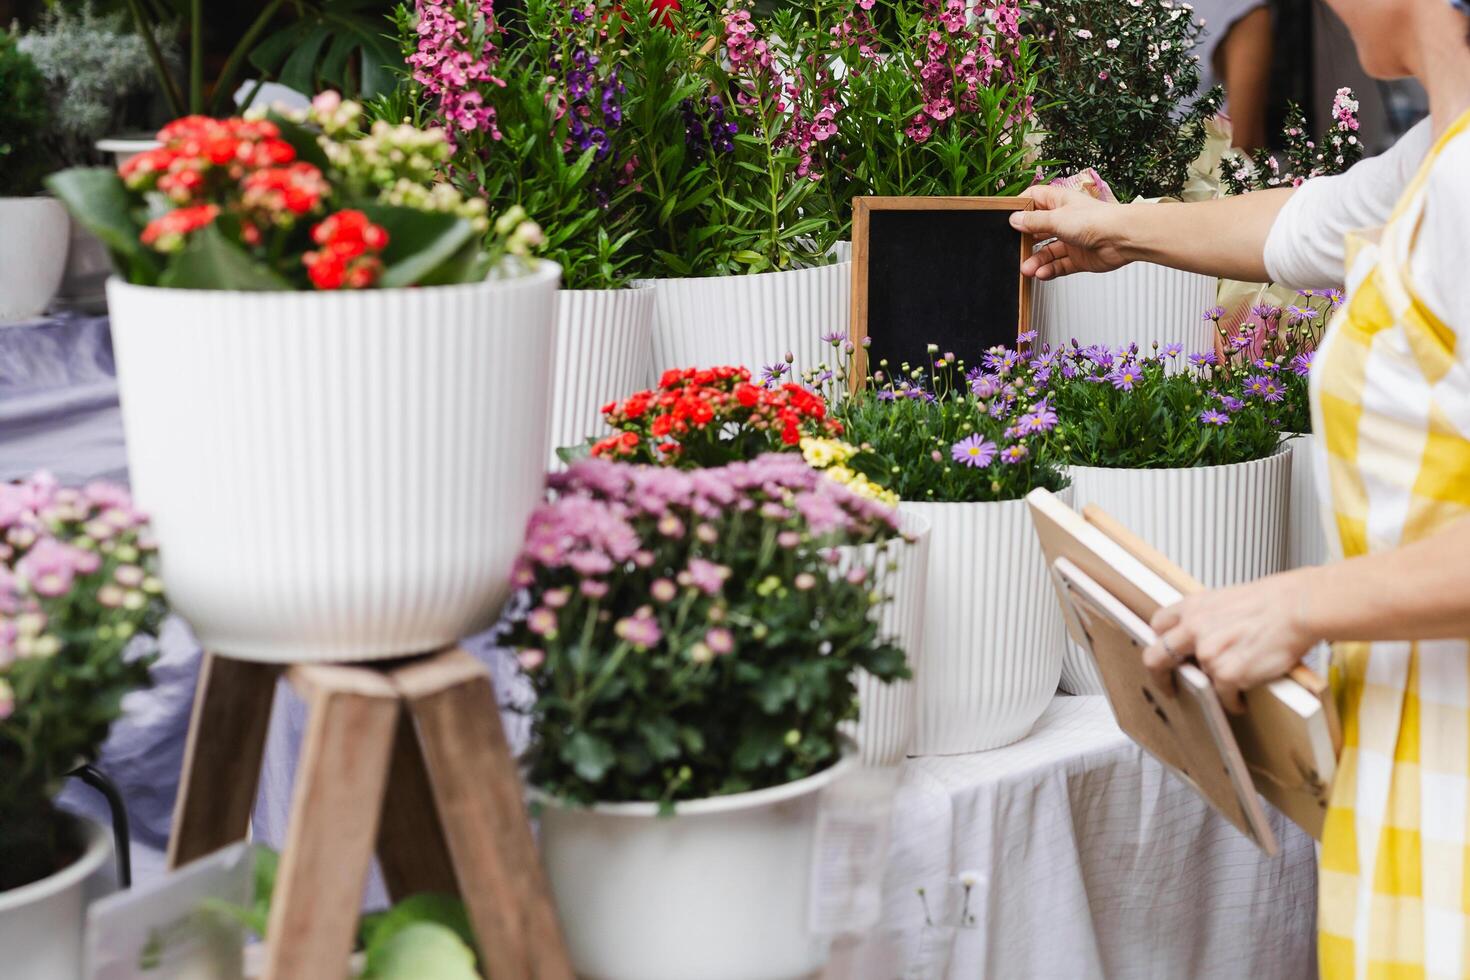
column 311, row 201
column 77, row 588
column 948, row 432
column 694, row 633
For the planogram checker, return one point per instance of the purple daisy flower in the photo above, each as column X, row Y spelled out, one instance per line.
column 1214, row 313
column 771, row 373
column 1231, row 403
column 985, row 386
column 1301, row 365
column 1211, row 417
column 1203, row 358
column 1300, row 314
column 1041, row 418
column 1125, row 377
column 886, row 395
column 834, row 338
column 1265, row 311
column 1014, row 454
column 975, row 451
column 1026, row 337
column 1172, row 350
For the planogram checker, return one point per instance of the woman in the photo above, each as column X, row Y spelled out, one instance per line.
column 1391, row 407
column 1235, row 51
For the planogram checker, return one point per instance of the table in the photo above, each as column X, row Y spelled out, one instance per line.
column 1091, row 860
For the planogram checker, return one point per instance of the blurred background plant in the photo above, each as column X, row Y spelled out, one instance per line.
column 24, row 120
column 96, row 71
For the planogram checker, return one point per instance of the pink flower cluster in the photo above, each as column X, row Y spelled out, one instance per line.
column 966, row 47
column 455, row 58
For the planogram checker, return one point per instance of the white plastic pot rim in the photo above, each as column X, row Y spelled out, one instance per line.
column 733, row 803
column 805, row 270
column 1281, row 447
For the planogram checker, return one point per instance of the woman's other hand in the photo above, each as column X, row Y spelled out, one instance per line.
column 1242, row 637
column 1081, row 226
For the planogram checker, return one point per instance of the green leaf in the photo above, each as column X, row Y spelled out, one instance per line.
column 419, row 242
column 589, row 756
column 443, row 910
column 211, row 261
column 99, row 202
column 418, row 951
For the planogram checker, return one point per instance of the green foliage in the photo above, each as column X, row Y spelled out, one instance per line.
column 1304, row 157
column 341, row 45
column 1115, row 76
column 24, row 119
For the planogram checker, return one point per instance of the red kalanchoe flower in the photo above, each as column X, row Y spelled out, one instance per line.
column 282, row 194
column 348, row 257
column 167, row 233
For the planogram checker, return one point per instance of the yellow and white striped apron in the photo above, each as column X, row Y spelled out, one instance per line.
column 1391, row 409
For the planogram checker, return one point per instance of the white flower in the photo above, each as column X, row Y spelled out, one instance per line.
column 969, row 879
column 1113, row 43
column 1085, row 34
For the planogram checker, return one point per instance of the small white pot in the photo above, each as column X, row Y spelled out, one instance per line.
column 719, row 891
column 992, row 629
column 124, row 149
column 336, row 476
column 1140, row 302
column 884, row 731
column 1307, row 538
column 603, row 353
column 1224, row 525
column 750, row 320
column 34, row 232
column 42, row 924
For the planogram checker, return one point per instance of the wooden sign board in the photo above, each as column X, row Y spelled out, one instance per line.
column 1289, row 733
column 1184, row 728
column 937, row 270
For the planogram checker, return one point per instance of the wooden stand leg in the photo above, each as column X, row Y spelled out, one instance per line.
column 227, row 730
column 334, row 821
column 477, row 793
column 411, row 847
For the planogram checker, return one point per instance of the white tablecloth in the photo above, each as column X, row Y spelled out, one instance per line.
column 1093, row 862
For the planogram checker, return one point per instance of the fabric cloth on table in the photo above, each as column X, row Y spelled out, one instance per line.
column 1091, row 861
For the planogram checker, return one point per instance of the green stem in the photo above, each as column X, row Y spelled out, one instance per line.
column 240, row 52
column 155, row 55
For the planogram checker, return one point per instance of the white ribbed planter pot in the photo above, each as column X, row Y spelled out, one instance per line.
column 1140, row 302
column 717, row 892
column 1222, row 524
column 603, row 354
column 992, row 629
column 750, row 320
column 336, row 476
column 884, row 731
column 42, row 924
column 1307, row 534
column 34, row 233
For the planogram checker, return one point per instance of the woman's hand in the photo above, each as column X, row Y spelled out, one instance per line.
column 1082, row 227
column 1242, row 637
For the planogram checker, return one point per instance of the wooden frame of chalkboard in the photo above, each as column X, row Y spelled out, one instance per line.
column 945, row 216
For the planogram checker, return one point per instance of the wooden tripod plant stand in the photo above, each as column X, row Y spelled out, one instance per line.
column 406, row 758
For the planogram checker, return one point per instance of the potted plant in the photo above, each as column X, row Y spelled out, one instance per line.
column 76, row 586
column 962, row 448
column 1184, row 451
column 1118, row 82
column 709, row 417
column 691, row 638
column 303, row 328
column 538, row 121
column 33, row 248
column 95, row 68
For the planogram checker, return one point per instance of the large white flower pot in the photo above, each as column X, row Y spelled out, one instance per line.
column 719, row 891
column 884, row 731
column 992, row 629
column 1140, row 302
column 34, row 232
column 750, row 320
column 603, row 354
column 42, row 924
column 1307, row 534
column 1222, row 524
column 336, row 476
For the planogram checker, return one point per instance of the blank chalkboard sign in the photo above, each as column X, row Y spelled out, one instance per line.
column 937, row 270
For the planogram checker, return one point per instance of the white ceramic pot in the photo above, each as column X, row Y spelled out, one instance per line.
column 750, row 320
column 884, row 731
column 992, row 629
column 603, row 354
column 125, row 148
column 1140, row 302
column 336, row 476
column 1307, row 534
column 1222, row 524
column 719, row 891
column 42, row 924
column 34, row 232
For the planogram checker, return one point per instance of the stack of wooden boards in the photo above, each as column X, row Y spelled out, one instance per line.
column 1284, row 745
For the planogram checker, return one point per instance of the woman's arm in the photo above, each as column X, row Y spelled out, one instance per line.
column 1224, row 238
column 1249, row 634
